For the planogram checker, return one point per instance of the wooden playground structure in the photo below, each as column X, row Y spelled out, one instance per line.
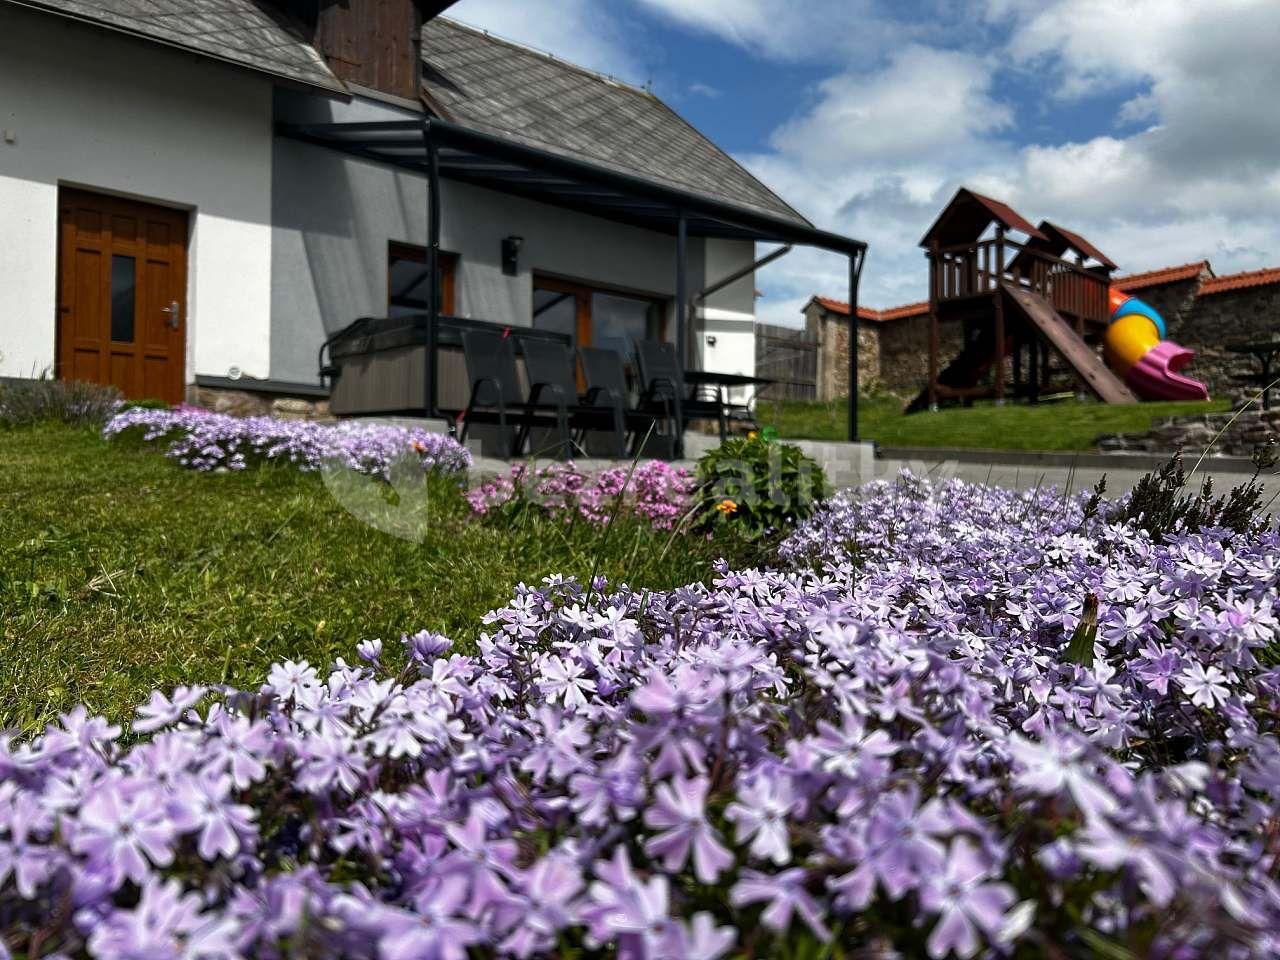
column 1033, row 311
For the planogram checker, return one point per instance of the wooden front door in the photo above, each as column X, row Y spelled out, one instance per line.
column 122, row 294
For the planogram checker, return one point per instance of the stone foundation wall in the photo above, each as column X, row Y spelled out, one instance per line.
column 248, row 403
column 832, row 332
column 1218, row 319
column 1192, row 435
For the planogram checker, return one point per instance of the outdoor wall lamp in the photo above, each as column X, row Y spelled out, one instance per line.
column 711, row 339
column 511, row 255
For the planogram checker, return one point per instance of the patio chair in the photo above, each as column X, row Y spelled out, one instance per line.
column 663, row 388
column 496, row 396
column 606, row 376
column 552, row 374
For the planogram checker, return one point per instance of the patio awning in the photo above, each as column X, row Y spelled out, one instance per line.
column 442, row 149
column 500, row 164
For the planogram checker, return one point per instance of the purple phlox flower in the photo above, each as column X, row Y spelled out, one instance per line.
column 850, row 750
column 564, row 679
column 122, row 828
column 701, row 939
column 424, row 646
column 760, row 813
column 679, row 810
column 24, row 822
column 79, row 731
column 1207, row 687
column 329, row 762
column 203, row 803
column 555, row 752
column 161, row 711
column 290, row 680
column 967, row 902
column 370, row 651
column 687, row 688
column 166, row 923
column 612, row 793
column 436, row 928
column 486, row 864
column 1157, row 666
column 239, row 748
column 785, row 895
column 900, row 847
column 550, row 890
column 1103, row 845
column 1056, row 764
column 629, row 911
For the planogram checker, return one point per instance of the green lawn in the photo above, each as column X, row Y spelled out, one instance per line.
column 1064, row 425
column 120, row 571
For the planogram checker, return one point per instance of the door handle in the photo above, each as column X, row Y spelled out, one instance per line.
column 174, row 313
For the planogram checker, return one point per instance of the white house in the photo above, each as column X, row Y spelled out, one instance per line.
column 193, row 202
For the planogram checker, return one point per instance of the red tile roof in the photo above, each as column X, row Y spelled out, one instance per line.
column 1155, row 278
column 877, row 316
column 1240, row 281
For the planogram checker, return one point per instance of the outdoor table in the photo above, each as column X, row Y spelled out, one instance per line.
column 1265, row 352
column 711, row 378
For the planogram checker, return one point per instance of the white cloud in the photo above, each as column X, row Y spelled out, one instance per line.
column 878, row 154
column 784, row 29
column 585, row 32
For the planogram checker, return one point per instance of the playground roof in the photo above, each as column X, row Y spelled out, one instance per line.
column 1155, row 278
column 1240, row 281
column 969, row 214
column 1067, row 238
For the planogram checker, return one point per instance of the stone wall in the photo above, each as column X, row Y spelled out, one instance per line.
column 1192, row 435
column 1173, row 301
column 904, row 352
column 832, row 332
column 247, row 403
column 1218, row 319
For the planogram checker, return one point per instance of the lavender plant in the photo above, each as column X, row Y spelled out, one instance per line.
column 881, row 748
column 208, row 441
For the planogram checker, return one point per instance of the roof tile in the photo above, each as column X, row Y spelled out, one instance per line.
column 901, row 312
column 538, row 100
column 239, row 31
column 1155, row 278
column 1240, row 281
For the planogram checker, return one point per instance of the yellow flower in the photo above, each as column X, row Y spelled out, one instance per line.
column 727, row 507
column 751, row 435
column 420, row 448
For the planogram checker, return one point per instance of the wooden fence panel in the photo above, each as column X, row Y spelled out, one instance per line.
column 788, row 356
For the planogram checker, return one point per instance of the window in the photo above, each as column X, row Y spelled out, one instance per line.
column 407, row 280
column 123, row 288
column 595, row 317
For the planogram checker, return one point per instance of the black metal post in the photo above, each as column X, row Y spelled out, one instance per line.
column 682, row 311
column 855, row 275
column 433, row 269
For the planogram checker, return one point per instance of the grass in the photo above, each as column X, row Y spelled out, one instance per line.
column 120, row 572
column 1064, row 425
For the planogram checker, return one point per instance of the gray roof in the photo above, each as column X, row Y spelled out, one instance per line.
column 502, row 88
column 243, row 32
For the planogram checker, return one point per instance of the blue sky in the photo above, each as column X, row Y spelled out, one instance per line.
column 1145, row 124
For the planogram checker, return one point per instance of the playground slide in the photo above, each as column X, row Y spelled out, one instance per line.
column 1058, row 334
column 1136, row 349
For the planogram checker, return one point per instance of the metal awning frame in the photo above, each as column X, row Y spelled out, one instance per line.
column 441, row 149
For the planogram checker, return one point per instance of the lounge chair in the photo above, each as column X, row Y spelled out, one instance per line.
column 552, row 374
column 606, row 376
column 663, row 388
column 496, row 395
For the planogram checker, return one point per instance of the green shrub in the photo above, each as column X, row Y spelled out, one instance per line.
column 44, row 400
column 757, row 487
